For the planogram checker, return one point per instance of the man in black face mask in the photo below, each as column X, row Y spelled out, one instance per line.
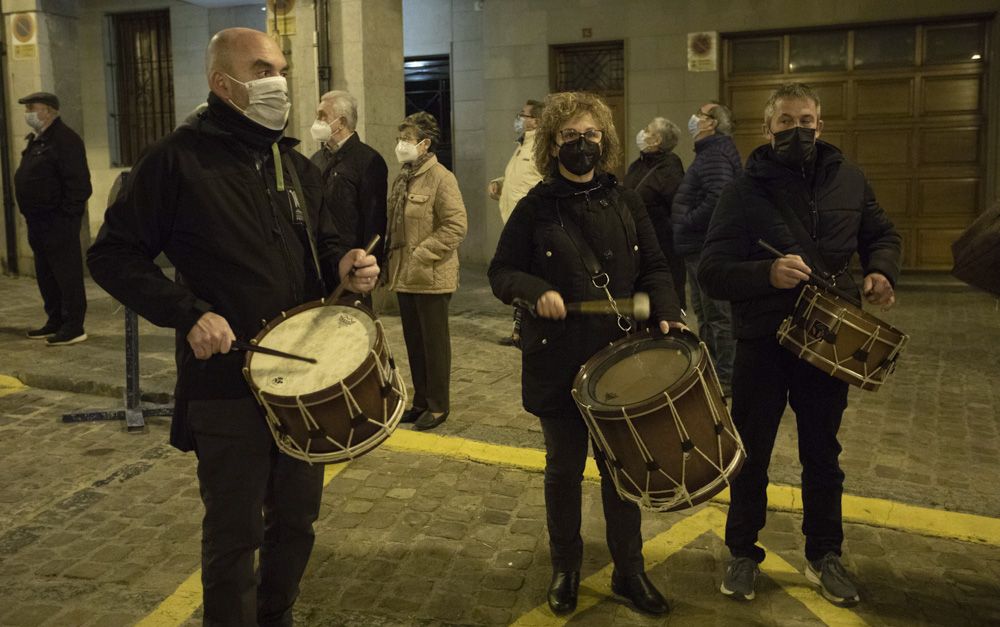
column 801, row 196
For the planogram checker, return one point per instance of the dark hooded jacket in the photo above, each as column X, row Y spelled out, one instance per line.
column 207, row 197
column 535, row 254
column 837, row 209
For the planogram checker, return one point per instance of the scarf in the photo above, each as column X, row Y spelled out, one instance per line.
column 395, row 234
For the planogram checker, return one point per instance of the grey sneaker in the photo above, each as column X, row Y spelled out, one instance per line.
column 831, row 577
column 741, row 578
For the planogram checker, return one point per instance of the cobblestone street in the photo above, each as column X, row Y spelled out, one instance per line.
column 102, row 527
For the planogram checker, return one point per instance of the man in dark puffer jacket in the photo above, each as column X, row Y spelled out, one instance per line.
column 813, row 183
column 716, row 163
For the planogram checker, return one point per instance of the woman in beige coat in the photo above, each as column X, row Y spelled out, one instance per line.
column 427, row 222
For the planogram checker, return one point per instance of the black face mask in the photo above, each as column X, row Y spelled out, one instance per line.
column 795, row 147
column 579, row 157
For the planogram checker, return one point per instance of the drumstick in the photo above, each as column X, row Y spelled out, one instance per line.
column 337, row 293
column 254, row 348
column 815, row 278
column 637, row 307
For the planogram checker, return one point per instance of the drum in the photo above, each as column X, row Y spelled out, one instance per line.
column 841, row 339
column 656, row 413
column 339, row 408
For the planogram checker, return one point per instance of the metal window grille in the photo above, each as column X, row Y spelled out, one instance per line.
column 598, row 68
column 142, row 76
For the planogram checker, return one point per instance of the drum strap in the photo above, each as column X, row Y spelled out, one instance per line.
column 296, row 195
column 598, row 276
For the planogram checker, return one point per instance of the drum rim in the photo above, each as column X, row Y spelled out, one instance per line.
column 851, row 308
column 649, row 404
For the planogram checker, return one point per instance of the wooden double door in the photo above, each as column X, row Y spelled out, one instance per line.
column 906, row 102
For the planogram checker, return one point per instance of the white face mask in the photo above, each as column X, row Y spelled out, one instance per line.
column 694, row 125
column 321, row 131
column 268, row 101
column 406, row 152
column 640, row 140
column 519, row 125
column 31, row 119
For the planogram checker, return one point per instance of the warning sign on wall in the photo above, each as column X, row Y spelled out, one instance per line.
column 24, row 35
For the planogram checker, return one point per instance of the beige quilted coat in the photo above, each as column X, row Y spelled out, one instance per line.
column 424, row 258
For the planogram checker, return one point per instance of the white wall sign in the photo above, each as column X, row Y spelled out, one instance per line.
column 703, row 51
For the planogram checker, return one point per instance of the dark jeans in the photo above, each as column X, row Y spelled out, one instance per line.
column 255, row 498
column 59, row 272
column 428, row 346
column 765, row 378
column 566, row 440
column 715, row 324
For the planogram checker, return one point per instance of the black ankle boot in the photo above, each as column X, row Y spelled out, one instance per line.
column 640, row 591
column 563, row 591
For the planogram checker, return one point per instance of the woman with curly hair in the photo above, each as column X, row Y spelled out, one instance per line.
column 426, row 223
column 538, row 263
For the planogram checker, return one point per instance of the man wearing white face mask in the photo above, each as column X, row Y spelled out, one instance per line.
column 354, row 173
column 521, row 174
column 241, row 216
column 52, row 185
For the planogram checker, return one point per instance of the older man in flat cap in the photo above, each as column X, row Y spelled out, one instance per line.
column 52, row 185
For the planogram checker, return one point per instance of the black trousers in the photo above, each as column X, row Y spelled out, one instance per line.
column 256, row 498
column 766, row 377
column 566, row 439
column 59, row 271
column 428, row 346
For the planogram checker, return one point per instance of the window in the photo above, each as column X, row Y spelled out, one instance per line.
column 756, row 55
column 821, row 51
column 954, row 44
column 597, row 68
column 886, row 46
column 141, row 87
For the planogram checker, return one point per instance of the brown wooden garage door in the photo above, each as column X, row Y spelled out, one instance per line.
column 904, row 101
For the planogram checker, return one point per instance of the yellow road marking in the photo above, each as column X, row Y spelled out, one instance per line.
column 597, row 588
column 10, row 385
column 877, row 512
column 182, row 602
column 856, row 509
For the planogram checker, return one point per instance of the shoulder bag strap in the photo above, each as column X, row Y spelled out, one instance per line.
column 298, row 200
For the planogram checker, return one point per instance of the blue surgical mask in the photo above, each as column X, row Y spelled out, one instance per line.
column 693, row 122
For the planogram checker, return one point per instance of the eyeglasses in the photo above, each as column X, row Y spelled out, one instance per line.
column 570, row 135
column 409, row 140
column 702, row 114
column 524, row 115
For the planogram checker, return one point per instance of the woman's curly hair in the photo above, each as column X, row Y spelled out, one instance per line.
column 564, row 106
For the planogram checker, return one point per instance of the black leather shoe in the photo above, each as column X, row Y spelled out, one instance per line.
column 640, row 592
column 428, row 420
column 411, row 414
column 563, row 591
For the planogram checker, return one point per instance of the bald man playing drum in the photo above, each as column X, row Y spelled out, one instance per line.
column 241, row 217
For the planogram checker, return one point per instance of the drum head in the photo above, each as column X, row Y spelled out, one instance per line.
column 339, row 339
column 640, row 371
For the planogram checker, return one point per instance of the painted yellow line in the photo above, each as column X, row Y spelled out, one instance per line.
column 798, row 587
column 181, row 604
column 856, row 509
column 10, row 385
column 597, row 587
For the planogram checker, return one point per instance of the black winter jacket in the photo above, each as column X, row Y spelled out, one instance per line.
column 209, row 201
column 836, row 206
column 535, row 254
column 356, row 185
column 716, row 163
column 655, row 176
column 53, row 180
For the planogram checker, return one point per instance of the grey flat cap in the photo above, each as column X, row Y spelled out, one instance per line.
column 43, row 97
